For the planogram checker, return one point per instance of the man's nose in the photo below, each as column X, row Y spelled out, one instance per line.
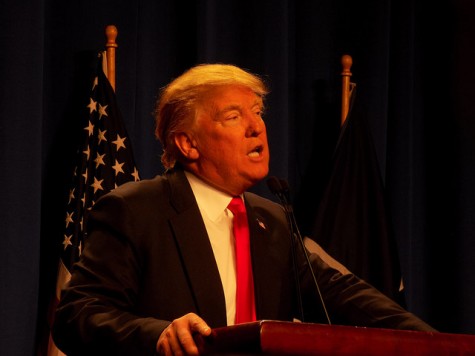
column 255, row 126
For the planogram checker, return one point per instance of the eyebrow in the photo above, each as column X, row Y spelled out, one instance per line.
column 230, row 107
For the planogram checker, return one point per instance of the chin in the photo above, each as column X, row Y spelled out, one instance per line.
column 260, row 175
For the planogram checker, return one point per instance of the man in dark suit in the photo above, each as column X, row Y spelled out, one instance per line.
column 159, row 263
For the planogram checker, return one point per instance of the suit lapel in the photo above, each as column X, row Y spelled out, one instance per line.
column 197, row 254
column 267, row 280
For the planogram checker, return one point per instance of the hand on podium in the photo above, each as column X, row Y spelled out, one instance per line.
column 178, row 337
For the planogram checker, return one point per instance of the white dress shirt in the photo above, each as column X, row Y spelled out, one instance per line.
column 219, row 225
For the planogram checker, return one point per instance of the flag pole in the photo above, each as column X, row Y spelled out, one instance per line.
column 111, row 45
column 346, row 62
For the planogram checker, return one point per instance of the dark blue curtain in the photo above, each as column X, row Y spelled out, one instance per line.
column 412, row 66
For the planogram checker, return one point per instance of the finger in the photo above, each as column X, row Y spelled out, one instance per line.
column 163, row 347
column 186, row 341
column 168, row 343
column 173, row 340
column 199, row 325
column 194, row 324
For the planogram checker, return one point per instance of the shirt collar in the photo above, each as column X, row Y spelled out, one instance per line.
column 211, row 201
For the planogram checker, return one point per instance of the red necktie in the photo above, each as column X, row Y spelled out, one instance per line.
column 245, row 305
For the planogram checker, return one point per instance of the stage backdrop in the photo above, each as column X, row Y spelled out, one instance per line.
column 413, row 69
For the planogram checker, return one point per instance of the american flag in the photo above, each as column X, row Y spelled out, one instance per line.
column 104, row 161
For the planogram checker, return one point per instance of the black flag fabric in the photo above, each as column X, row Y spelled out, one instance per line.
column 104, row 161
column 352, row 222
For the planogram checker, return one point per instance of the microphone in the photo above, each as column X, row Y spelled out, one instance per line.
column 276, row 188
column 280, row 188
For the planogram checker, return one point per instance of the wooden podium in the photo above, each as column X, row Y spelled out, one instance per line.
column 287, row 338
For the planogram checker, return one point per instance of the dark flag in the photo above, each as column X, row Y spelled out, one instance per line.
column 352, row 222
column 104, row 161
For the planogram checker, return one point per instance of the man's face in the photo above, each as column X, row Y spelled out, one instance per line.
column 230, row 136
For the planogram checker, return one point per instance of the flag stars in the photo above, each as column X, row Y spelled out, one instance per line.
column 135, row 174
column 118, row 167
column 97, row 185
column 95, row 83
column 69, row 218
column 85, row 175
column 94, row 175
column 97, row 173
column 102, row 111
column 99, row 160
column 90, row 128
column 87, row 152
column 67, row 241
column 92, row 105
column 119, row 142
column 71, row 195
column 101, row 136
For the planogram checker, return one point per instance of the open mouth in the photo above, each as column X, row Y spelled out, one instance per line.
column 256, row 152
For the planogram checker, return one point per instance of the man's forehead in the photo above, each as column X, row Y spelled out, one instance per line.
column 236, row 96
column 231, row 97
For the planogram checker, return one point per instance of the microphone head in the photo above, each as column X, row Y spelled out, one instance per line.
column 285, row 188
column 274, row 185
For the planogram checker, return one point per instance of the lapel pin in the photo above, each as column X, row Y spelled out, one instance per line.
column 261, row 224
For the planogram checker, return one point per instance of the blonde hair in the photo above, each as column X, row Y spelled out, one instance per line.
column 177, row 104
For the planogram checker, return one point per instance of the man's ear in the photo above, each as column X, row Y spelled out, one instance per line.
column 187, row 145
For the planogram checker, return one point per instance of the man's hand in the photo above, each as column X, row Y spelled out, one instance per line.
column 177, row 338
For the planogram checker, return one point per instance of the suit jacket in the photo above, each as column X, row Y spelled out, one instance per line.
column 148, row 260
